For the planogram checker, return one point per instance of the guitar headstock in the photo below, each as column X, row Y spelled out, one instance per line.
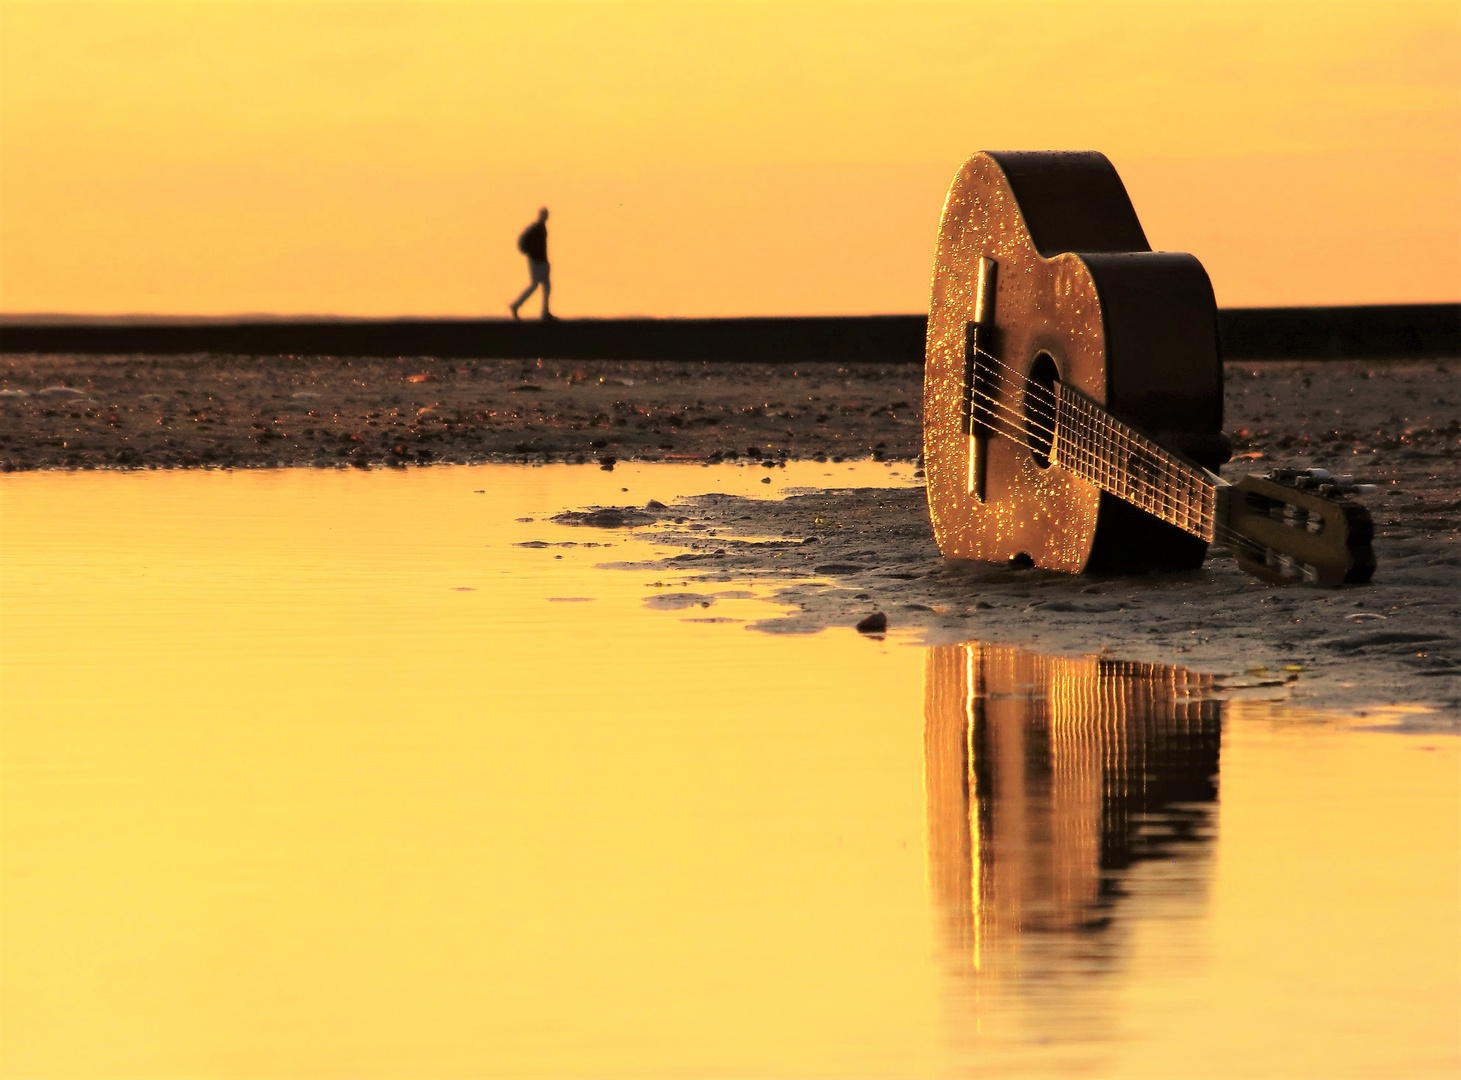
column 1298, row 526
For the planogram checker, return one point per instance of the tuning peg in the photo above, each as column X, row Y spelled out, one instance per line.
column 1349, row 487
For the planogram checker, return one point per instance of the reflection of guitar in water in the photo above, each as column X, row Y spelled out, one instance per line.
column 1073, row 393
column 1047, row 780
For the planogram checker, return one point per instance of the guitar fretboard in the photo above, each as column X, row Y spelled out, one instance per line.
column 1118, row 459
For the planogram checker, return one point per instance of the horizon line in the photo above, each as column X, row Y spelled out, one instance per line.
column 45, row 318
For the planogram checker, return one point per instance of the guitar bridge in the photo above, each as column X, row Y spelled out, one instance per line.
column 978, row 388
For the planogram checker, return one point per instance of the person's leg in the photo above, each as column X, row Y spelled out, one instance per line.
column 547, row 288
column 522, row 299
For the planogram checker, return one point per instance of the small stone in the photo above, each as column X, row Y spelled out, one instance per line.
column 654, row 504
column 678, row 601
column 876, row 623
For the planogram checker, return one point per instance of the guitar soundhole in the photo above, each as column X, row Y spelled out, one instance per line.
column 1040, row 409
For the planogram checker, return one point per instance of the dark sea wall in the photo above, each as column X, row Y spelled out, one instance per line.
column 1378, row 331
column 1374, row 330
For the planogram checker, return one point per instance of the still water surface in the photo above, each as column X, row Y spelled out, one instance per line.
column 319, row 774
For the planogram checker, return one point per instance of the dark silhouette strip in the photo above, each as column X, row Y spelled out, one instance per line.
column 1373, row 331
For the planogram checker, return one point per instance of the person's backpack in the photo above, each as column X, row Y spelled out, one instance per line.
column 522, row 241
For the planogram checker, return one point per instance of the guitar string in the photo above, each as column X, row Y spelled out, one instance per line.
column 1165, row 505
column 1178, row 496
column 1173, row 504
column 1091, row 425
column 1166, row 467
column 1011, row 427
column 1025, row 383
column 1221, row 534
column 1157, row 499
column 1164, row 502
column 1093, row 422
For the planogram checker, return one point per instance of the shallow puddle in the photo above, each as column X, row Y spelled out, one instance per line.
column 325, row 773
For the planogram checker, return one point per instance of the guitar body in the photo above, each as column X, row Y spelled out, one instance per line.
column 1073, row 293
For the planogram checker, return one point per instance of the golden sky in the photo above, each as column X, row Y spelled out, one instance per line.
column 700, row 158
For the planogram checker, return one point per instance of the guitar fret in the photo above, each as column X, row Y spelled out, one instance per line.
column 1116, row 458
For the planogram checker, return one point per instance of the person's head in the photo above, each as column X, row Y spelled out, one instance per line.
column 543, row 214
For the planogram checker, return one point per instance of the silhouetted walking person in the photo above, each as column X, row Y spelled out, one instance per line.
column 534, row 244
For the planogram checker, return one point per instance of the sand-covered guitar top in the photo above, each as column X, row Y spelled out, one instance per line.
column 1073, row 392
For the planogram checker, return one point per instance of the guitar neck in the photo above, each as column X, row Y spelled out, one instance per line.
column 1118, row 459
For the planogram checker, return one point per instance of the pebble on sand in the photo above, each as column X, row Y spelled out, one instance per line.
column 876, row 623
column 678, row 601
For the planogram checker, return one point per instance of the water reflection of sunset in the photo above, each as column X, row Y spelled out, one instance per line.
column 277, row 799
column 700, row 158
column 1048, row 778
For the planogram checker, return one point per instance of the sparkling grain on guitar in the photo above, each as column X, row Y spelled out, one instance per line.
column 1073, row 391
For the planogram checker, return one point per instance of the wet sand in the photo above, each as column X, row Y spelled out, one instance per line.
column 836, row 557
column 249, row 412
column 841, row 554
column 1391, row 420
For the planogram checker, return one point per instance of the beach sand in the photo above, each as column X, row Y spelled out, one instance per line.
column 246, row 412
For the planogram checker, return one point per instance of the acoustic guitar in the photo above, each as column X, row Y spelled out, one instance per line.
column 1073, row 394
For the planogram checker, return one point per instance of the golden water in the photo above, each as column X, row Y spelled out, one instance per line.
column 317, row 774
